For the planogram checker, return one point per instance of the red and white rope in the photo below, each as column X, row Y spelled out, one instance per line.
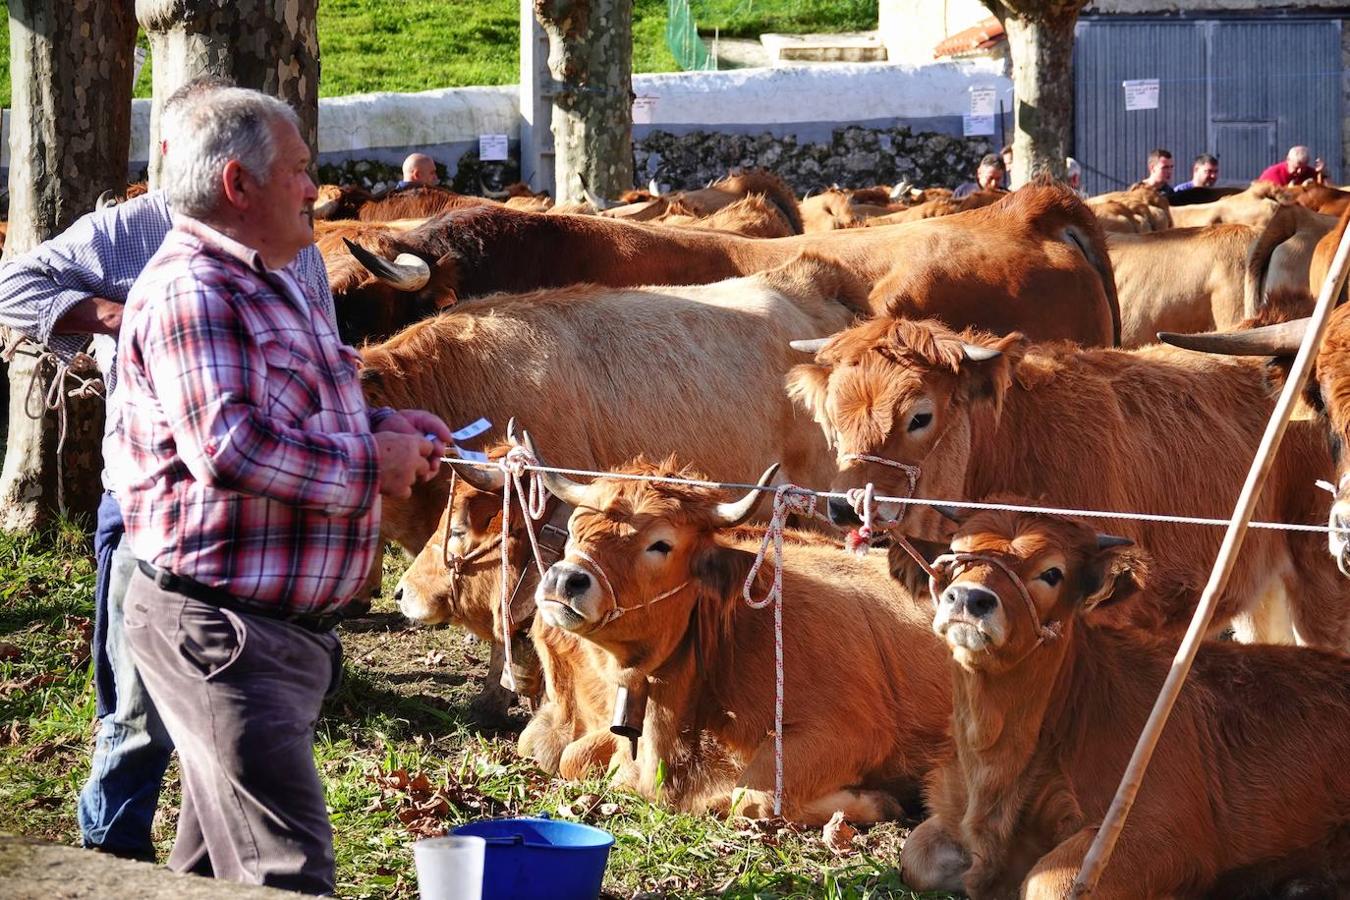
column 522, row 472
column 787, row 500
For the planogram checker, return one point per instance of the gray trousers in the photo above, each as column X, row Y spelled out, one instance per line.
column 240, row 696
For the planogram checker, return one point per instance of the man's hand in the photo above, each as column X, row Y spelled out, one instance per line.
column 425, row 425
column 92, row 315
column 402, row 460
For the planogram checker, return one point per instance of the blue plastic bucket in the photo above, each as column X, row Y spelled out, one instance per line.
column 541, row 859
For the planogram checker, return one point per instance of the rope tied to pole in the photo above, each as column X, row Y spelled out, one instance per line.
column 788, row 499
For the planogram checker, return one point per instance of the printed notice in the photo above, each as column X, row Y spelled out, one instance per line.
column 1141, row 94
column 972, row 126
column 981, row 102
column 492, row 147
column 644, row 110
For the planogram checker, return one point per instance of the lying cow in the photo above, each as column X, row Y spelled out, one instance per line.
column 653, row 573
column 1247, row 786
column 920, row 410
column 1139, row 210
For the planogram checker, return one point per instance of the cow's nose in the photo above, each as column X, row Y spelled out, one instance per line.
column 576, row 584
column 398, row 594
column 841, row 513
column 977, row 601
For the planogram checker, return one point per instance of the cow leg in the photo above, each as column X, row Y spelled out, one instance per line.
column 814, row 784
column 1168, row 873
column 933, row 859
column 545, row 738
column 592, row 752
column 1267, row 621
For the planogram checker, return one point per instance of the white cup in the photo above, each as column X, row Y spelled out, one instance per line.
column 450, row 868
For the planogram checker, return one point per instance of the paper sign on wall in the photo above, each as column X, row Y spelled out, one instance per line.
column 1141, row 94
column 972, row 126
column 981, row 102
column 492, row 147
column 644, row 108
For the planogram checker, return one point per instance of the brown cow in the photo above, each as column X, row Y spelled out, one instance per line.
column 357, row 297
column 1036, row 261
column 418, row 201
column 1253, row 206
column 1248, row 786
column 653, row 574
column 1153, row 430
column 751, row 216
column 931, row 209
column 1208, row 277
column 644, row 206
column 1320, row 198
column 1139, row 210
column 601, row 375
column 1323, row 255
column 339, row 202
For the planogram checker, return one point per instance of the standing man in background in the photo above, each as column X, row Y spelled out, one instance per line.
column 1160, row 169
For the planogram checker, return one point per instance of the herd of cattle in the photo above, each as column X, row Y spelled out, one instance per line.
column 1002, row 346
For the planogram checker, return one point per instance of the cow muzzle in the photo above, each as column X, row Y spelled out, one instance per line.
column 567, row 595
column 417, row 607
column 1338, row 541
column 970, row 617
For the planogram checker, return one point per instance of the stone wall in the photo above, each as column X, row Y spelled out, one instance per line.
column 854, row 157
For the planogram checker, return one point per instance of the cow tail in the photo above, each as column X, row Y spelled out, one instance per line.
column 1279, row 229
column 1093, row 247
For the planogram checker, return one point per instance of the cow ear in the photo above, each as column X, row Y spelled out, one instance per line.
column 1114, row 572
column 722, row 570
column 987, row 376
column 807, row 385
column 445, row 281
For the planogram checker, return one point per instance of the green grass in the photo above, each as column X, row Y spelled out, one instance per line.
column 417, row 45
column 403, row 712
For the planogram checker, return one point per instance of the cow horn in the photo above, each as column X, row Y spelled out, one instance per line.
column 653, row 188
column 106, row 199
column 952, row 513
column 325, row 209
column 1283, row 339
column 809, row 346
column 591, row 198
column 488, row 479
column 901, row 189
column 1107, row 541
column 976, row 353
column 729, row 515
column 565, row 489
column 407, row 272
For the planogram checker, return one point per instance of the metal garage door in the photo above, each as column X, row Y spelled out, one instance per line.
column 1241, row 89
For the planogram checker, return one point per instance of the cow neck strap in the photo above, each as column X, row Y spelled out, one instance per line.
column 616, row 610
column 953, row 563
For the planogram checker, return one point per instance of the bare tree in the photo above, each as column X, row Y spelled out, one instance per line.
column 268, row 45
column 70, row 129
column 1040, row 39
column 591, row 58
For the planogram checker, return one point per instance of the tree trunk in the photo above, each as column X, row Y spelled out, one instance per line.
column 268, row 45
column 591, row 58
column 70, row 129
column 1042, row 57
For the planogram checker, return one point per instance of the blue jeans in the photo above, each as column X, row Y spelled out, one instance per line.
column 132, row 747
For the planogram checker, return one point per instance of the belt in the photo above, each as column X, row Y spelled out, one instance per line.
column 189, row 587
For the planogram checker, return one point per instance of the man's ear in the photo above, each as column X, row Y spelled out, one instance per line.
column 1116, row 571
column 233, row 178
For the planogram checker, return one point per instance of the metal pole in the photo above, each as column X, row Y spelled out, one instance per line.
column 1099, row 854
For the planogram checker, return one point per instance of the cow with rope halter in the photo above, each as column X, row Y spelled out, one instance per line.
column 654, row 573
column 1248, row 791
column 919, row 410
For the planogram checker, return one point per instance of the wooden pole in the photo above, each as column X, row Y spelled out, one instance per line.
column 1099, row 854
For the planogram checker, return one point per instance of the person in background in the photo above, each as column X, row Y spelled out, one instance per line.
column 1006, row 154
column 1073, row 176
column 1296, row 169
column 1160, row 169
column 249, row 470
column 988, row 177
column 1204, row 173
column 418, row 168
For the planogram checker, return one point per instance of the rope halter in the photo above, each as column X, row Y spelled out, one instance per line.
column 952, row 564
column 616, row 610
column 1338, row 541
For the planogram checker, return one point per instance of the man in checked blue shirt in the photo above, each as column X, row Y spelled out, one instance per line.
column 69, row 288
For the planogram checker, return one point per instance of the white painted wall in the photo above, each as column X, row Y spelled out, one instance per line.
column 910, row 29
column 842, row 94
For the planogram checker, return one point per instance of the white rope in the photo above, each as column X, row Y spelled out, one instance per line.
column 787, row 500
column 533, row 500
column 922, row 501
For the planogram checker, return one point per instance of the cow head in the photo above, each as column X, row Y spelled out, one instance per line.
column 642, row 560
column 901, row 403
column 1326, row 395
column 1015, row 581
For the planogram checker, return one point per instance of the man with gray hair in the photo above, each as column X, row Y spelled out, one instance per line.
column 58, row 295
column 1295, row 169
column 249, row 471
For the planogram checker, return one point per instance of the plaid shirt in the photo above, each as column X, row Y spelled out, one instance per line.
column 101, row 255
column 243, row 450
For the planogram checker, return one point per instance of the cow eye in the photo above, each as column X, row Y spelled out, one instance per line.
column 458, row 532
column 919, row 421
column 659, row 547
column 1051, row 576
